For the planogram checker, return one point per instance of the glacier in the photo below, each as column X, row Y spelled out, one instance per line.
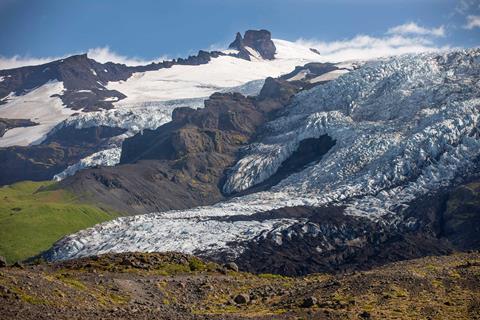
column 404, row 127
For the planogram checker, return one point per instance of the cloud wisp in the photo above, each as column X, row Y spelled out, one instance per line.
column 100, row 54
column 364, row 47
column 21, row 61
column 411, row 28
column 104, row 54
column 472, row 22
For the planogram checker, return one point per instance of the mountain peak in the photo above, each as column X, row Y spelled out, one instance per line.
column 260, row 40
column 237, row 43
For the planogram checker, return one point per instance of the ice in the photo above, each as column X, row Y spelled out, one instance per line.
column 404, row 127
column 104, row 158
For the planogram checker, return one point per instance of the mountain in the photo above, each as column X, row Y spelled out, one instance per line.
column 186, row 159
column 78, row 93
column 261, row 154
column 377, row 165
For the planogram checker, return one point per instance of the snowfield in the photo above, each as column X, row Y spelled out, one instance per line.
column 404, row 127
column 151, row 93
column 38, row 105
column 183, row 81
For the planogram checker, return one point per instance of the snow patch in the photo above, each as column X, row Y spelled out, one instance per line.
column 111, row 99
column 38, row 105
column 329, row 76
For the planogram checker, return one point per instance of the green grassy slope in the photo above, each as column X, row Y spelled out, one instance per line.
column 32, row 218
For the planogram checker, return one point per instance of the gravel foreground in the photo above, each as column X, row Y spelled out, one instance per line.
column 178, row 286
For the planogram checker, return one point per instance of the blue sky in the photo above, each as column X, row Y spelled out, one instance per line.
column 150, row 29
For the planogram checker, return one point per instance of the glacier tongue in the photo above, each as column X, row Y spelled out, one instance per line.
column 404, row 127
column 104, row 158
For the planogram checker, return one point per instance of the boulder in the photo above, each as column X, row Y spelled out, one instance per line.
column 3, row 262
column 231, row 266
column 309, row 302
column 242, row 299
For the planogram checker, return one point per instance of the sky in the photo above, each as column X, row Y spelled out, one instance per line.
column 136, row 32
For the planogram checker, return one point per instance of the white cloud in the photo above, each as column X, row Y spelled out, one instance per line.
column 101, row 54
column 19, row 61
column 411, row 28
column 104, row 54
column 472, row 22
column 364, row 47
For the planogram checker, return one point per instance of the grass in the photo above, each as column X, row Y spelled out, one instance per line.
column 34, row 216
column 68, row 280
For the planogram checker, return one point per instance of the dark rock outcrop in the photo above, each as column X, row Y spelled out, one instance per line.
column 7, row 124
column 77, row 73
column 237, row 44
column 259, row 40
column 461, row 218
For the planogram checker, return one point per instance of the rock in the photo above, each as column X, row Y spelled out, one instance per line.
column 242, row 299
column 231, row 266
column 237, row 43
column 309, row 302
column 325, row 304
column 260, row 40
column 6, row 124
column 3, row 262
column 18, row 264
column 365, row 315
